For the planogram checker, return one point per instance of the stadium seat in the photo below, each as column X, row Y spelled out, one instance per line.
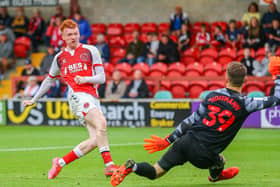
column 118, row 52
column 176, row 70
column 256, row 94
column 109, row 68
column 114, row 29
column 226, row 56
column 204, row 94
column 214, row 85
column 197, row 26
column 93, row 38
column 21, row 47
column 179, row 89
column 213, row 69
column 23, row 40
column 149, row 27
column 128, row 37
column 240, row 54
column 189, row 56
column 253, row 86
column 209, row 55
column 260, row 52
column 158, row 69
column 151, row 86
column 98, row 28
column 196, row 87
column 165, row 85
column 163, row 94
column 194, row 69
column 163, row 27
column 222, row 24
column 277, row 53
column 143, row 37
column 124, row 68
column 130, row 27
column 142, row 67
column 268, row 86
column 117, row 41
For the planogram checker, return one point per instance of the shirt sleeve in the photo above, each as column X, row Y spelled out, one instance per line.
column 54, row 70
column 254, row 104
column 96, row 57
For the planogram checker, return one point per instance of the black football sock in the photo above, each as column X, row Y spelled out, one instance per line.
column 146, row 170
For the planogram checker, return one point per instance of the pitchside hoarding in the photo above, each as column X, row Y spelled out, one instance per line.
column 270, row 118
column 2, row 113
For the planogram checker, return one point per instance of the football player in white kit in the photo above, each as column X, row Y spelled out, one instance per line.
column 81, row 68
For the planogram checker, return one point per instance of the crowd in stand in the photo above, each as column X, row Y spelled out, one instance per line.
column 253, row 32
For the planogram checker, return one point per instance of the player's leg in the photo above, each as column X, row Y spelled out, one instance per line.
column 80, row 150
column 96, row 119
column 217, row 171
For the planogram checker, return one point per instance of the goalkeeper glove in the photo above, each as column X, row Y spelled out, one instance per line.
column 156, row 143
column 274, row 66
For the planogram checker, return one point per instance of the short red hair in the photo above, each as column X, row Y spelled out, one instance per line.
column 68, row 23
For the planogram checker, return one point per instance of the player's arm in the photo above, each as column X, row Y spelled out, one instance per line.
column 46, row 84
column 99, row 76
column 254, row 104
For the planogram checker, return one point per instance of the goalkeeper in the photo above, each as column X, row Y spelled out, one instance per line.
column 201, row 138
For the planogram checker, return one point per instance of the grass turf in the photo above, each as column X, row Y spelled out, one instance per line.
column 255, row 151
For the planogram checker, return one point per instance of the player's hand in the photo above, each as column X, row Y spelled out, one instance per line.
column 80, row 80
column 274, row 66
column 27, row 103
column 156, row 143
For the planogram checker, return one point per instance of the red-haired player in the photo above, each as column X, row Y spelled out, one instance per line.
column 81, row 67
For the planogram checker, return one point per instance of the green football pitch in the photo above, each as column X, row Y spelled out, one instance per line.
column 26, row 154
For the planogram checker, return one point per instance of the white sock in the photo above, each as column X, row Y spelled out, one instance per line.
column 109, row 164
column 61, row 162
column 134, row 167
column 103, row 149
column 78, row 152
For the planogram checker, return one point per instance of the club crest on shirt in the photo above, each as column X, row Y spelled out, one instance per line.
column 63, row 61
column 84, row 56
column 86, row 105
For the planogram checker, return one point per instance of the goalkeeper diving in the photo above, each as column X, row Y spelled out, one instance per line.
column 203, row 136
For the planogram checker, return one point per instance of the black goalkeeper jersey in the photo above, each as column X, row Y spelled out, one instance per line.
column 221, row 115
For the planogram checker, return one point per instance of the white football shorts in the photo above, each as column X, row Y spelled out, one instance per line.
column 80, row 104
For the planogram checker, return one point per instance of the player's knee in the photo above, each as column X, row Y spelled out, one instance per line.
column 92, row 143
column 101, row 127
column 158, row 171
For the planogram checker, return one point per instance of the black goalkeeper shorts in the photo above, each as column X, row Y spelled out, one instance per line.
column 187, row 148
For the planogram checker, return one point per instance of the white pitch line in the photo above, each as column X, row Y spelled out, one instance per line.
column 58, row 147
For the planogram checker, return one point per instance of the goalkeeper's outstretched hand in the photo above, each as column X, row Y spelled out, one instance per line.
column 274, row 66
column 156, row 143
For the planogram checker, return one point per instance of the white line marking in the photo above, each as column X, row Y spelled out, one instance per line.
column 59, row 147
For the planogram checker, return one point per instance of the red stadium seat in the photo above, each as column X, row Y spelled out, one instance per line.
column 189, row 56
column 109, row 68
column 130, row 27
column 165, row 85
column 260, row 52
column 23, row 40
column 118, row 52
column 20, row 51
column 149, row 27
column 93, row 39
column 226, row 56
column 117, row 41
column 143, row 37
column 222, row 24
column 214, row 85
column 128, row 37
column 179, row 89
column 253, row 86
column 143, row 67
column 268, row 87
column 158, row 69
column 213, row 69
column 151, row 86
column 115, row 29
column 176, row 70
column 163, row 27
column 196, row 87
column 240, row 54
column 209, row 55
column 98, row 28
column 197, row 26
column 124, row 68
column 194, row 69
column 277, row 53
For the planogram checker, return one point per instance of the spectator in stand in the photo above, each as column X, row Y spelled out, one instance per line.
column 31, row 87
column 55, row 90
column 54, row 33
column 101, row 90
column 274, row 35
column 270, row 15
column 103, row 48
column 58, row 13
column 261, row 69
column 177, row 19
column 135, row 49
column 233, row 36
column 116, row 87
column 6, row 53
column 248, row 61
column 28, row 70
column 184, row 38
column 219, row 40
column 254, row 37
column 167, row 50
column 202, row 38
column 151, row 47
column 7, row 31
column 20, row 23
column 47, row 61
column 4, row 15
column 137, row 88
column 73, row 10
column 36, row 29
column 253, row 11
column 84, row 27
